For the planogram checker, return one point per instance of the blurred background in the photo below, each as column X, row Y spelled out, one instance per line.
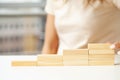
column 22, row 25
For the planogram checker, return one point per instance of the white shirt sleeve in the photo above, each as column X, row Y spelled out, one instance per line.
column 117, row 3
column 49, row 7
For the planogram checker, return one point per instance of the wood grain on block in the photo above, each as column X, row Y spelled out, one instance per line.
column 80, row 57
column 49, row 64
column 111, row 56
column 75, row 52
column 24, row 63
column 74, row 61
column 101, row 59
column 75, row 64
column 95, row 63
column 101, row 64
column 98, row 46
column 102, row 52
column 112, row 61
column 50, row 58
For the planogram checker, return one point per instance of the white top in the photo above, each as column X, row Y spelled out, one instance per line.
column 77, row 26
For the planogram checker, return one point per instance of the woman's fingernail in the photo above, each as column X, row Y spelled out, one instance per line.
column 112, row 46
column 118, row 52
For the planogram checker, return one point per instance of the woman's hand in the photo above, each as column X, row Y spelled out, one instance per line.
column 116, row 47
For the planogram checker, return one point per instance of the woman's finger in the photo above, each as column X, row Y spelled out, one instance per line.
column 115, row 45
column 118, row 52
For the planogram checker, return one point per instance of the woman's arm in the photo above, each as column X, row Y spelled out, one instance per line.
column 51, row 38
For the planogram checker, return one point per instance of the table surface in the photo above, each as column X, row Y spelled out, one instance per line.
column 7, row 72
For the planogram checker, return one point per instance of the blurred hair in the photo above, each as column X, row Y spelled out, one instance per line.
column 87, row 2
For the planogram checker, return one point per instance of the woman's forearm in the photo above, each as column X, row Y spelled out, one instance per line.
column 51, row 37
column 50, row 49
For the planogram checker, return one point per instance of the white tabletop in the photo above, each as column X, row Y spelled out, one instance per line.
column 7, row 72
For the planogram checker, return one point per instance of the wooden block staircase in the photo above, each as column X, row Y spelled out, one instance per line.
column 96, row 55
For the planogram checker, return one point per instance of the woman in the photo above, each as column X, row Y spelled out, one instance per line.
column 72, row 24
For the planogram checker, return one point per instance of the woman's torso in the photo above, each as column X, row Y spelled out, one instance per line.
column 78, row 25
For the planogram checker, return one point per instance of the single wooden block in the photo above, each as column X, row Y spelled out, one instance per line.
column 49, row 64
column 92, row 56
column 50, row 58
column 80, row 57
column 100, row 63
column 102, row 59
column 75, row 61
column 75, row 64
column 99, row 46
column 24, row 63
column 102, row 52
column 111, row 61
column 75, row 52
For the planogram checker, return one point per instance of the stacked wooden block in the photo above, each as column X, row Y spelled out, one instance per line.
column 50, row 60
column 42, row 60
column 95, row 55
column 77, row 57
column 100, row 54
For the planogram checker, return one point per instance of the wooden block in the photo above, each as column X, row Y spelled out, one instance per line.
column 74, row 61
column 100, row 63
column 102, row 59
column 77, row 57
column 99, row 46
column 102, row 52
column 75, row 52
column 92, row 56
column 75, row 64
column 24, row 63
column 80, row 57
column 49, row 64
column 112, row 61
column 50, row 58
